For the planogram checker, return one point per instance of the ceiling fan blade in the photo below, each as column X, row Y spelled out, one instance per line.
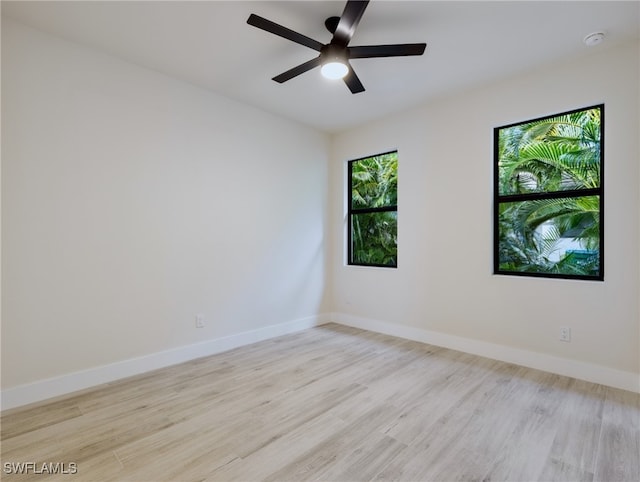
column 353, row 82
column 349, row 20
column 284, row 32
column 300, row 69
column 398, row 50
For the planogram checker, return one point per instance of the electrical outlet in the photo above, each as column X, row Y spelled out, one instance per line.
column 565, row 333
column 199, row 321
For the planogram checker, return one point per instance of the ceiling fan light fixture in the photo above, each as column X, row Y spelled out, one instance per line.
column 334, row 70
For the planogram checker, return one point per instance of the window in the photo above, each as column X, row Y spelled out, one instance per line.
column 548, row 196
column 373, row 211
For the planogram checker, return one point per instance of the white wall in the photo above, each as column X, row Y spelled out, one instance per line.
column 132, row 201
column 444, row 288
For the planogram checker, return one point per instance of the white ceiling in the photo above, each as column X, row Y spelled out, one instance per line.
column 208, row 43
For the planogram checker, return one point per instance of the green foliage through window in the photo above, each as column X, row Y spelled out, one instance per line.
column 549, row 196
column 373, row 211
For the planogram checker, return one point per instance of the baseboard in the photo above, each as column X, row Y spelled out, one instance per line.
column 72, row 382
column 540, row 361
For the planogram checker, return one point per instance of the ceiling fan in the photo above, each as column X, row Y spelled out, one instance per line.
column 334, row 57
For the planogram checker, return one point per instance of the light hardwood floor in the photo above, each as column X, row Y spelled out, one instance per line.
column 334, row 403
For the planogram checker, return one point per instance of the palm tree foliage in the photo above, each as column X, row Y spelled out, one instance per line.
column 537, row 162
column 375, row 240
column 373, row 210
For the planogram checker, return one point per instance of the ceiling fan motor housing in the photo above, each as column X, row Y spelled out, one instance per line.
column 334, row 53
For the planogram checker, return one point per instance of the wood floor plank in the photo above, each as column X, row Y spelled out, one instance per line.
column 618, row 455
column 36, row 418
column 333, row 403
column 447, row 384
column 463, row 442
column 527, row 448
column 274, row 456
column 321, row 459
column 578, row 433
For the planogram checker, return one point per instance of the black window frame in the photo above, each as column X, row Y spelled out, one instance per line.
column 351, row 211
column 499, row 199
